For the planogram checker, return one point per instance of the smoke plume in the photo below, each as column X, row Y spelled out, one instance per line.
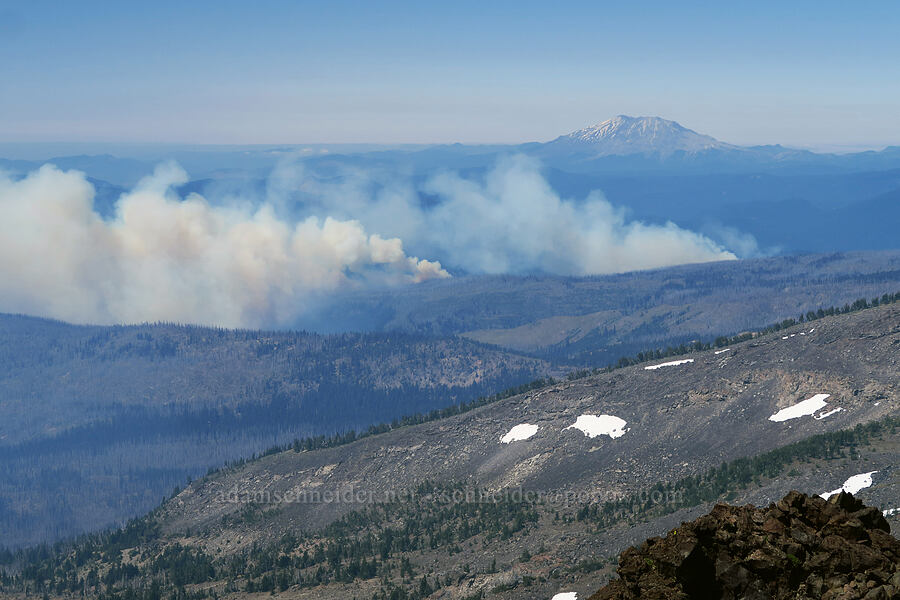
column 166, row 258
column 249, row 262
column 512, row 221
column 515, row 222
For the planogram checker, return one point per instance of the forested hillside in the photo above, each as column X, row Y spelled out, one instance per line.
column 97, row 424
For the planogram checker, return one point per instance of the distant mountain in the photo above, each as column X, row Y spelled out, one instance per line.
column 624, row 135
column 789, row 200
column 625, row 145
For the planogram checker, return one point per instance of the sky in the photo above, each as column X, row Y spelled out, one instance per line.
column 812, row 74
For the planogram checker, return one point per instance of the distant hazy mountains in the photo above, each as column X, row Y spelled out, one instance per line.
column 596, row 320
column 621, row 143
column 653, row 144
column 755, row 200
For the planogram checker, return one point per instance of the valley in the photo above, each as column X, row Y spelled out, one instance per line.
column 467, row 515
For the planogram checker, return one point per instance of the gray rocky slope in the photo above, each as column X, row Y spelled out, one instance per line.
column 680, row 420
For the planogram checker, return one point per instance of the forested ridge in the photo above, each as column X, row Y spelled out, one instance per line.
column 97, row 424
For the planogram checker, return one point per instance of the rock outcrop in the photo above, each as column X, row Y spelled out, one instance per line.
column 799, row 547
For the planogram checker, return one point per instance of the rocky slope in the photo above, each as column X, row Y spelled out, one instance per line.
column 663, row 424
column 800, row 547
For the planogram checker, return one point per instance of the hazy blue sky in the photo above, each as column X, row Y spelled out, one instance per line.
column 802, row 73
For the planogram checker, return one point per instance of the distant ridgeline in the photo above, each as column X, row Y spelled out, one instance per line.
column 722, row 341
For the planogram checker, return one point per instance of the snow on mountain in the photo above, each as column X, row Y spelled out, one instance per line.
column 624, row 135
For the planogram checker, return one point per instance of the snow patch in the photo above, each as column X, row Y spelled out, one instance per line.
column 566, row 596
column 669, row 364
column 821, row 416
column 594, row 425
column 852, row 485
column 891, row 511
column 721, row 351
column 519, row 433
column 801, row 409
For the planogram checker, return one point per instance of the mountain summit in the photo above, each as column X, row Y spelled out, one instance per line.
column 624, row 135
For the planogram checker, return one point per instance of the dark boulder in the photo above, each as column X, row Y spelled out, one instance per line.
column 800, row 547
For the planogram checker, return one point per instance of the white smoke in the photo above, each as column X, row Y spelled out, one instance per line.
column 248, row 263
column 166, row 258
column 743, row 244
column 515, row 220
column 512, row 222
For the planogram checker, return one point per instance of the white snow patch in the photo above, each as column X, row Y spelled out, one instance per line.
column 593, row 425
column 669, row 364
column 721, row 351
column 519, row 433
column 852, row 485
column 877, row 403
column 566, row 596
column 813, row 329
column 785, row 337
column 891, row 511
column 801, row 409
column 821, row 416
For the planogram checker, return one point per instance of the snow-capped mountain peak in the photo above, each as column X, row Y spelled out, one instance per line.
column 624, row 135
